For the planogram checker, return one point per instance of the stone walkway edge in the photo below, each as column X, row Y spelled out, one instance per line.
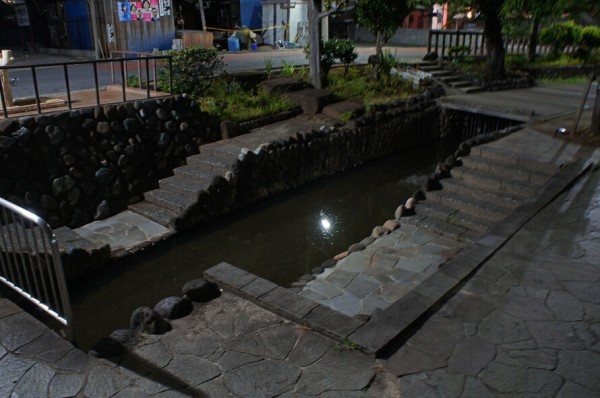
column 395, row 322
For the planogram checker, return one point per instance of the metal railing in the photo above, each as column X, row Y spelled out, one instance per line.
column 441, row 41
column 96, row 65
column 30, row 264
column 136, row 58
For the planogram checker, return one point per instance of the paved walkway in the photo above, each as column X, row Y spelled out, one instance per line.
column 525, row 323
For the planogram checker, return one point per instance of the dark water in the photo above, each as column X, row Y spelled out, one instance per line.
column 280, row 239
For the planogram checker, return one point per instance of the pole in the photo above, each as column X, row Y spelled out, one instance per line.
column 95, row 30
column 202, row 17
column 595, row 126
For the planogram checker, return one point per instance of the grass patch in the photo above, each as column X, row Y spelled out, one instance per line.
column 563, row 80
column 357, row 85
column 229, row 101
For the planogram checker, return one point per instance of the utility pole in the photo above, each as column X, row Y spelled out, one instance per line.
column 95, row 30
column 202, row 18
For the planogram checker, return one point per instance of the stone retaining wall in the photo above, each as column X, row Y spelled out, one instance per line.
column 276, row 166
column 76, row 166
column 563, row 71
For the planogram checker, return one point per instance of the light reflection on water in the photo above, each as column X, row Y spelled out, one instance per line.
column 280, row 239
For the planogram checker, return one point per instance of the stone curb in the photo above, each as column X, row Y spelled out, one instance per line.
column 396, row 321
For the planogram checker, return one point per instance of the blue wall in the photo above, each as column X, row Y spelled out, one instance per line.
column 251, row 11
column 78, row 24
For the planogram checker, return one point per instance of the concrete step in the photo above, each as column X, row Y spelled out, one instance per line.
column 470, row 205
column 509, row 157
column 158, row 214
column 440, row 227
column 460, row 84
column 495, row 201
column 471, row 89
column 493, row 183
column 222, row 150
column 210, row 163
column 170, row 200
column 183, row 185
column 430, row 67
column 453, row 216
column 438, row 73
column 193, row 172
column 518, row 173
column 449, row 79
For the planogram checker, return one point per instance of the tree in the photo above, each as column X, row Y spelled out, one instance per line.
column 539, row 10
column 317, row 10
column 383, row 18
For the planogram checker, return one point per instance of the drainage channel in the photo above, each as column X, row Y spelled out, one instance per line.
column 280, row 239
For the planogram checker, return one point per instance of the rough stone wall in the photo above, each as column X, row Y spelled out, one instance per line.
column 72, row 167
column 284, row 164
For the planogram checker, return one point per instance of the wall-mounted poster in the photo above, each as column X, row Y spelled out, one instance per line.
column 124, row 11
column 135, row 10
column 165, row 8
column 154, row 10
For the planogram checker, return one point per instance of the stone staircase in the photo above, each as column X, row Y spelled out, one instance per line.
column 486, row 185
column 451, row 80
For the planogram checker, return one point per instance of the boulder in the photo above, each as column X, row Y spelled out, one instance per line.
column 282, row 85
column 173, row 307
column 146, row 320
column 200, row 290
column 311, row 101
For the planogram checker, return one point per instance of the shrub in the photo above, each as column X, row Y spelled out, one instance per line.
column 344, row 51
column 589, row 41
column 560, row 36
column 516, row 61
column 193, row 69
column 458, row 53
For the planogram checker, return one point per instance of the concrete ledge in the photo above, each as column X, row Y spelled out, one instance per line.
column 283, row 302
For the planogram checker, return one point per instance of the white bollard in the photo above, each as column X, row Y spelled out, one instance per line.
column 5, row 60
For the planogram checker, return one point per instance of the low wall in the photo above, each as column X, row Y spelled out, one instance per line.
column 73, row 167
column 563, row 71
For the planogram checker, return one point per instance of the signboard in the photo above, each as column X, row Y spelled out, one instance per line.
column 22, row 15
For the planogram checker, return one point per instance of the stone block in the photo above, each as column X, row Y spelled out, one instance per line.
column 332, row 322
column 344, row 110
column 311, row 101
column 228, row 276
column 258, row 287
column 287, row 303
column 380, row 330
column 282, row 85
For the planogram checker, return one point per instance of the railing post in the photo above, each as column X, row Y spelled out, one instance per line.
column 170, row 75
column 36, row 89
column 4, row 110
column 155, row 74
column 147, row 77
column 67, row 86
column 96, row 85
column 123, row 81
column 430, row 36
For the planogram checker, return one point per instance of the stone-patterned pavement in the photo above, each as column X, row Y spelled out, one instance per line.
column 528, row 323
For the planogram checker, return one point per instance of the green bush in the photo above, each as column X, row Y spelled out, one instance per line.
column 590, row 36
column 516, row 61
column 458, row 53
column 193, row 70
column 335, row 49
column 560, row 36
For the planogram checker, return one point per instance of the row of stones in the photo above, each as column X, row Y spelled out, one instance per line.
column 292, row 161
column 406, row 209
column 73, row 167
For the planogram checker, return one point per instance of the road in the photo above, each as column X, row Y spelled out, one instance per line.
column 51, row 80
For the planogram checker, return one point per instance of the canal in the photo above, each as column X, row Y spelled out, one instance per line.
column 280, row 238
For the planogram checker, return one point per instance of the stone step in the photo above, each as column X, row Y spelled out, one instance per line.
column 440, row 227
column 460, row 84
column 437, row 73
column 471, row 89
column 452, row 215
column 193, row 173
column 507, row 156
column 478, row 196
column 222, row 150
column 158, row 214
column 449, row 79
column 170, row 200
column 468, row 204
column 518, row 173
column 429, row 67
column 182, row 185
column 494, row 183
column 210, row 163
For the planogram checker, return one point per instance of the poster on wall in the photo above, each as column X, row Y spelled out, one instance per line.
column 124, row 11
column 22, row 15
column 146, row 10
column 135, row 10
column 165, row 8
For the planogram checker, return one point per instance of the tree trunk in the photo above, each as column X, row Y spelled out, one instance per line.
column 533, row 38
column 314, row 45
column 379, row 42
column 493, row 41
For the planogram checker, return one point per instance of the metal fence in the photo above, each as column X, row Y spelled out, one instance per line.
column 144, row 63
column 441, row 41
column 30, row 264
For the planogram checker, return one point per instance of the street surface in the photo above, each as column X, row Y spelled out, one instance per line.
column 51, row 80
